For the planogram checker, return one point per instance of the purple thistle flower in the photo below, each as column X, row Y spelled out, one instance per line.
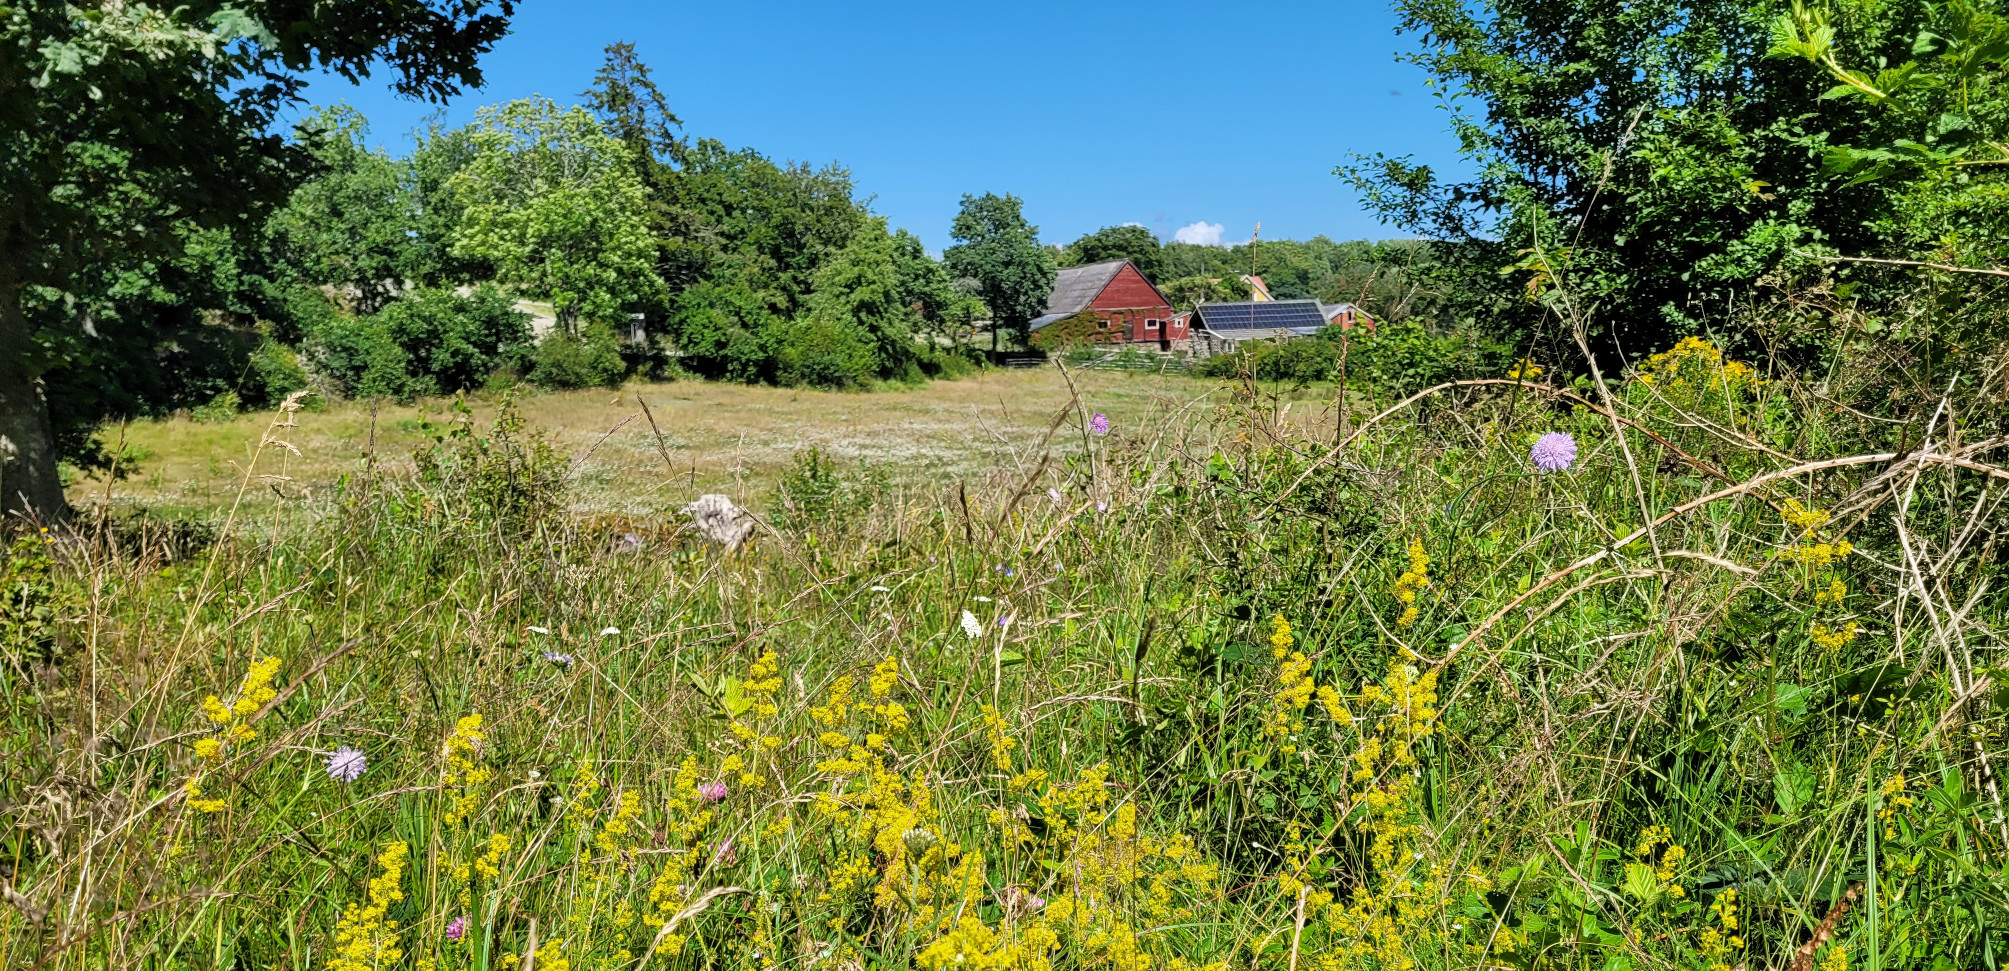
column 1554, row 452
column 346, row 764
column 456, row 928
column 712, row 791
column 1099, row 424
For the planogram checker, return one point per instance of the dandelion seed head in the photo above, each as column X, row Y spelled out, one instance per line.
column 346, row 764
column 1554, row 451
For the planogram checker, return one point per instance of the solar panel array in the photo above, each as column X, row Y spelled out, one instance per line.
column 1297, row 316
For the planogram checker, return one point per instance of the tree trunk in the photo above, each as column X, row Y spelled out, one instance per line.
column 29, row 484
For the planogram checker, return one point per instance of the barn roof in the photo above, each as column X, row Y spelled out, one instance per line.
column 1260, row 319
column 1075, row 287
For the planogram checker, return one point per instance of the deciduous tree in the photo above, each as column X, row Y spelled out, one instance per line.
column 996, row 247
column 126, row 129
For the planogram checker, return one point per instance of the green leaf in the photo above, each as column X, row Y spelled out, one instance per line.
column 1791, row 699
column 1793, row 788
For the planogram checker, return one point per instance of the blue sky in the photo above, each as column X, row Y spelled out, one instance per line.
column 1177, row 116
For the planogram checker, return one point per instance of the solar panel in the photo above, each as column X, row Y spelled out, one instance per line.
column 1296, row 316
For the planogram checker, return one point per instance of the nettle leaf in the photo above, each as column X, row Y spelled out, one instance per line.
column 1927, row 42
column 1843, row 91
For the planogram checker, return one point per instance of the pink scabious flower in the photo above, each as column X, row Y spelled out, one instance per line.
column 1554, row 452
column 346, row 764
column 712, row 791
column 1099, row 424
column 456, row 928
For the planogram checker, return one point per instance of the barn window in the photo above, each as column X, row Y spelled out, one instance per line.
column 1150, row 324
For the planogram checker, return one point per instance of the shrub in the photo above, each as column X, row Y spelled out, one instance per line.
column 454, row 342
column 590, row 357
column 430, row 341
column 1297, row 361
column 1397, row 358
column 822, row 353
column 274, row 373
column 814, row 494
column 360, row 358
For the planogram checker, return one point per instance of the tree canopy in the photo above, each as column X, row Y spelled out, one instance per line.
column 131, row 130
column 998, row 249
column 1128, row 242
column 1669, row 162
column 553, row 203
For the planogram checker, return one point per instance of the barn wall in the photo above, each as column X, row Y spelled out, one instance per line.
column 1128, row 301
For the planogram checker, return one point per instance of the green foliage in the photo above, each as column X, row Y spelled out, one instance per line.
column 998, row 249
column 36, row 608
column 1663, row 163
column 453, row 342
column 813, row 495
column 136, row 130
column 508, row 484
column 578, row 360
column 223, row 407
column 1397, row 358
column 428, row 342
column 552, row 201
column 1188, row 292
column 1082, row 328
column 741, row 222
column 347, row 228
column 1133, row 243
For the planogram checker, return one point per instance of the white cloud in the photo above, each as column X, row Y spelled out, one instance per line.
column 1136, row 224
column 1202, row 233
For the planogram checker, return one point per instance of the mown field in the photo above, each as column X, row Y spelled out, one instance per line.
column 732, row 439
column 1717, row 686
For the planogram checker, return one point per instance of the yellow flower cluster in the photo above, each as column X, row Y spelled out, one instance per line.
column 1525, row 369
column 365, row 939
column 763, row 682
column 1657, row 847
column 462, row 778
column 230, row 726
column 487, row 866
column 1283, row 720
column 1819, row 554
column 675, row 883
column 1833, row 638
column 1397, row 911
column 1414, row 579
column 1895, row 800
column 1694, row 367
column 1801, row 516
column 1724, row 908
column 997, row 733
column 231, row 723
column 1837, row 959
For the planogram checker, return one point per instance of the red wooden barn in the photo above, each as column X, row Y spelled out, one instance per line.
column 1125, row 304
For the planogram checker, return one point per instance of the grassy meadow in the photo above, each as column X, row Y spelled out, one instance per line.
column 1237, row 683
column 725, row 438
